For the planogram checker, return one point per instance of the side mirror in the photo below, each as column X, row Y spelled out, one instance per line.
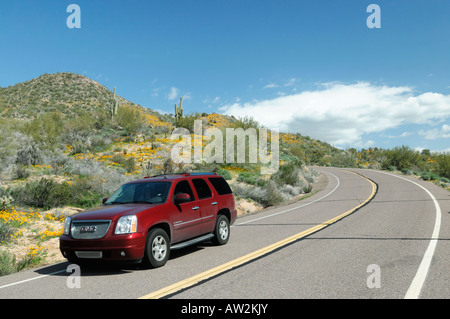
column 104, row 200
column 182, row 198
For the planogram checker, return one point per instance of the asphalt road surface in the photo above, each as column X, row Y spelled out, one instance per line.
column 366, row 234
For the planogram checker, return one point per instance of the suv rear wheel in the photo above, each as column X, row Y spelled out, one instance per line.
column 157, row 248
column 222, row 230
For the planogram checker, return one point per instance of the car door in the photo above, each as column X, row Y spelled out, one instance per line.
column 206, row 203
column 187, row 220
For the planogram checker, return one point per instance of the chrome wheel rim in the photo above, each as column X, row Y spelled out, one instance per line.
column 223, row 230
column 159, row 248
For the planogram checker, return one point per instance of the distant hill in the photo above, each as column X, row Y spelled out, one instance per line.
column 71, row 94
column 75, row 95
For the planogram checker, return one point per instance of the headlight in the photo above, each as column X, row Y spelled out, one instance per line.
column 67, row 223
column 126, row 225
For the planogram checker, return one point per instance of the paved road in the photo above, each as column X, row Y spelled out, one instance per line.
column 395, row 246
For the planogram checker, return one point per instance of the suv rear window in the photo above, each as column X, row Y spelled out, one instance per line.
column 220, row 185
column 202, row 188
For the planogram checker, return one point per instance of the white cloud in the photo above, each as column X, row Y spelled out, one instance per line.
column 291, row 82
column 270, row 86
column 173, row 94
column 342, row 113
column 443, row 132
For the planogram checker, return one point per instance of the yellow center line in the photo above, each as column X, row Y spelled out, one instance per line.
column 254, row 255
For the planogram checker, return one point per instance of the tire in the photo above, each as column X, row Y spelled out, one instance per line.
column 157, row 248
column 221, row 231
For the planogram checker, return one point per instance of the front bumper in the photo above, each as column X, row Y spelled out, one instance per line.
column 128, row 247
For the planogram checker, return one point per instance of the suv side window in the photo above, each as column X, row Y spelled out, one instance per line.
column 221, row 185
column 202, row 188
column 184, row 187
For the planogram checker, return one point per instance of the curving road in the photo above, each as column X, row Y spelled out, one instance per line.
column 366, row 234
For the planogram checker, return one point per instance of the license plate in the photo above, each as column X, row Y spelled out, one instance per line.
column 88, row 229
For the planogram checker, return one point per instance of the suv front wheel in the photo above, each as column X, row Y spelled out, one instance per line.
column 157, row 248
column 222, row 230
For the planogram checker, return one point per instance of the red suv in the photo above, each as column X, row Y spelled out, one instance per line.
column 145, row 219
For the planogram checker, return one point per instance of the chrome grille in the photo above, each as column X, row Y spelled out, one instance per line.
column 89, row 229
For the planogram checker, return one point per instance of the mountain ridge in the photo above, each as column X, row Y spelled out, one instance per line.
column 68, row 93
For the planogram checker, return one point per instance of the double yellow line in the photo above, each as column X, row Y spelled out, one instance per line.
column 256, row 254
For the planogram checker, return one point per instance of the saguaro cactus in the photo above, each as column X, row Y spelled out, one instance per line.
column 115, row 104
column 179, row 111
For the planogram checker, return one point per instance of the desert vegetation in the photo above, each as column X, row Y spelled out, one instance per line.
column 66, row 142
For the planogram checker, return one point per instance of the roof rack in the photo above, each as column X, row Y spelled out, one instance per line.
column 184, row 174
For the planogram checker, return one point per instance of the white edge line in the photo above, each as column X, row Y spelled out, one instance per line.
column 419, row 279
column 30, row 279
column 296, row 207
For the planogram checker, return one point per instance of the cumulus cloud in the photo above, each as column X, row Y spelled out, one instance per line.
column 342, row 113
column 443, row 132
column 173, row 94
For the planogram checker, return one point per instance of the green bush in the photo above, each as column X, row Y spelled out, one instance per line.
column 29, row 155
column 130, row 119
column 250, row 178
column 5, row 232
column 224, row 173
column 7, row 263
column 130, row 165
column 47, row 193
column 443, row 161
column 273, row 196
column 401, row 157
column 287, row 174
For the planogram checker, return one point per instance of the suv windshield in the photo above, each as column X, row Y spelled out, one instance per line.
column 148, row 193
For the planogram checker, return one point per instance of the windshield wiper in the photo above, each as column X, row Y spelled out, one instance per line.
column 112, row 203
column 138, row 202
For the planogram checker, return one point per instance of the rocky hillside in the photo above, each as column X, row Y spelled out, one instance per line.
column 71, row 94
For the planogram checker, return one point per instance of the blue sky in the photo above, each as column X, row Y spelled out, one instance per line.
column 312, row 67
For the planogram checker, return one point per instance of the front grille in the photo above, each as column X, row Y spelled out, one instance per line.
column 90, row 229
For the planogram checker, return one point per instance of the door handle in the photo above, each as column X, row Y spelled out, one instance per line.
column 195, row 208
column 214, row 203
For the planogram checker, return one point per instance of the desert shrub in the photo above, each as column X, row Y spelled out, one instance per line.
column 85, row 193
column 47, row 193
column 252, row 178
column 129, row 165
column 7, row 263
column 307, row 188
column 443, row 161
column 287, row 174
column 129, row 118
column 119, row 159
column 343, row 159
column 35, row 193
column 406, row 171
column 245, row 123
column 310, row 175
column 20, row 172
column 225, row 174
column 242, row 190
column 268, row 195
column 273, row 196
column 428, row 176
column 291, row 190
column 401, row 157
column 187, row 121
column 29, row 154
column 6, row 231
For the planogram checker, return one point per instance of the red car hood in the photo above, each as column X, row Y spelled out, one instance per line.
column 112, row 212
